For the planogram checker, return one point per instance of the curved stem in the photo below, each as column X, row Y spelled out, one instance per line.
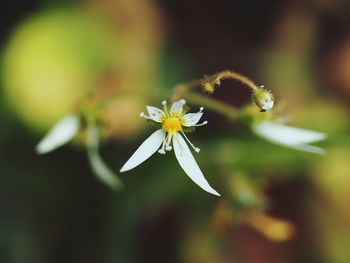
column 209, row 83
column 228, row 74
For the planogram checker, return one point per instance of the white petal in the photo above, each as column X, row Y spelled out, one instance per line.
column 176, row 108
column 290, row 136
column 60, row 134
column 192, row 119
column 189, row 164
column 98, row 166
column 146, row 149
column 310, row 149
column 155, row 113
column 287, row 134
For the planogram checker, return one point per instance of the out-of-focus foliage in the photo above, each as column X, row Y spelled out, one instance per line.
column 56, row 58
column 52, row 60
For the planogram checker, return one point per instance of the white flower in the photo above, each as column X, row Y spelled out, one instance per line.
column 64, row 131
column 291, row 137
column 172, row 133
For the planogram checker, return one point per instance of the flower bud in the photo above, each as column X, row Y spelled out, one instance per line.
column 208, row 88
column 263, row 99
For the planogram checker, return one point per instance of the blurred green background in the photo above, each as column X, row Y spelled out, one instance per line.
column 277, row 205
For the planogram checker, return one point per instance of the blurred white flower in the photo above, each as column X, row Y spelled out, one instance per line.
column 291, row 137
column 64, row 131
column 172, row 132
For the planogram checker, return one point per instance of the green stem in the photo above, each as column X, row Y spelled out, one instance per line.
column 228, row 74
column 229, row 111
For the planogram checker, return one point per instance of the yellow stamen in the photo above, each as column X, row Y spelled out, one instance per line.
column 172, row 125
column 175, row 114
column 163, row 118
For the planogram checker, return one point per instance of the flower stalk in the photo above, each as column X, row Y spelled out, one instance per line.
column 208, row 84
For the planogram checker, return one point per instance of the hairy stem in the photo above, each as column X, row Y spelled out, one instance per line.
column 209, row 83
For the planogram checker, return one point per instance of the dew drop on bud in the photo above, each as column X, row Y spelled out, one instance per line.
column 263, row 99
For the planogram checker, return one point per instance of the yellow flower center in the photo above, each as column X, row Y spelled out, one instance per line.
column 172, row 125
